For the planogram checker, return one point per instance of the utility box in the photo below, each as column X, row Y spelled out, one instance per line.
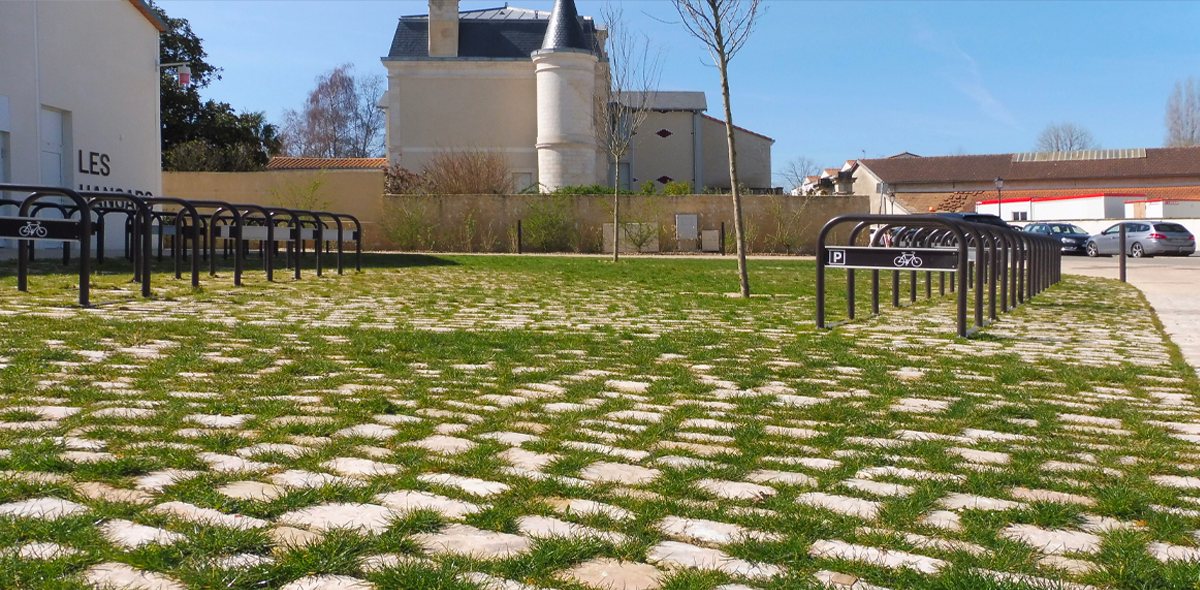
column 710, row 240
column 685, row 233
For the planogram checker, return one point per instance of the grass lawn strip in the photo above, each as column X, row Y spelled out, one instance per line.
column 508, row 422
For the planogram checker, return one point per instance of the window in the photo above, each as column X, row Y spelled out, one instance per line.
column 1139, row 227
column 1170, row 227
column 1112, row 230
column 1020, row 215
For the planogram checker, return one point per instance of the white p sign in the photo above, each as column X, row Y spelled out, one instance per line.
column 837, row 257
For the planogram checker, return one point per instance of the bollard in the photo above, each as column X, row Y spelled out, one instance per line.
column 520, row 247
column 1122, row 255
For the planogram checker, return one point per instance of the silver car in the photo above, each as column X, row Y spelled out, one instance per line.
column 1144, row 238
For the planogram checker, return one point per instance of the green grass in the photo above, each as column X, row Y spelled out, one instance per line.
column 416, row 333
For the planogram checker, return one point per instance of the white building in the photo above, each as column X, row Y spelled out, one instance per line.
column 79, row 91
column 1024, row 207
column 1162, row 208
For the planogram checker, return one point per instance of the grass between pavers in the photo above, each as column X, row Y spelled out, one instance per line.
column 413, row 324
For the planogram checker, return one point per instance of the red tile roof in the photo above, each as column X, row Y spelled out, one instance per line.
column 286, row 163
column 144, row 8
column 1157, row 163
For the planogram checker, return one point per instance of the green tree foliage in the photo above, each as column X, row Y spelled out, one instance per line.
column 205, row 135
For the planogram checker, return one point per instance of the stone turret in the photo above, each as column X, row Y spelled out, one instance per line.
column 566, row 83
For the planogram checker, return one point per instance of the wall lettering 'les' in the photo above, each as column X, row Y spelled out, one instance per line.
column 97, row 163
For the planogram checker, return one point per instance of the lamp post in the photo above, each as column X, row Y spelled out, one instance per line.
column 999, row 197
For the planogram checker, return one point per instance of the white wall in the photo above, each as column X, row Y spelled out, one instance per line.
column 95, row 64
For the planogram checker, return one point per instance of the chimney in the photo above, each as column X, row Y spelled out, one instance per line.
column 443, row 28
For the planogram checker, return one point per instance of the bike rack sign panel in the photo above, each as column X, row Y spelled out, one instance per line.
column 892, row 258
column 28, row 228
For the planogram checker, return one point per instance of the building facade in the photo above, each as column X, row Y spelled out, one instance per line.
column 79, row 92
column 524, row 83
column 911, row 184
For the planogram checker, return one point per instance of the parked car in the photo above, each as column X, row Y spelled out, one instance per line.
column 985, row 218
column 1144, row 238
column 1074, row 239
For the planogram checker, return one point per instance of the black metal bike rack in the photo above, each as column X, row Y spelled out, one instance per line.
column 84, row 217
column 1002, row 265
column 26, row 229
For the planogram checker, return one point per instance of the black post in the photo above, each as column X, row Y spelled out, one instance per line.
column 895, row 288
column 722, row 238
column 850, row 294
column 1122, row 257
column 874, row 292
column 520, row 245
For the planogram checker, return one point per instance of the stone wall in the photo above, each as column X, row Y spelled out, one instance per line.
column 775, row 223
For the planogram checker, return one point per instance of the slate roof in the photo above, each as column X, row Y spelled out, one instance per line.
column 564, row 31
column 286, row 163
column 493, row 33
column 1158, row 162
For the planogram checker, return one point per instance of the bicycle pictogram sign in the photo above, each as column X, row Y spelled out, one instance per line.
column 909, row 259
column 33, row 229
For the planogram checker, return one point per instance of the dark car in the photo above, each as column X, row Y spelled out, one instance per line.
column 1074, row 238
column 984, row 218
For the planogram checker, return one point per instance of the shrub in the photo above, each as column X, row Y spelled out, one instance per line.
column 592, row 189
column 468, row 172
column 649, row 188
column 678, row 187
column 301, row 196
column 548, row 226
column 408, row 222
column 400, row 181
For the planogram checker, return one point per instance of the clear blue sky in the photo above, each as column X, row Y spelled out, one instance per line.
column 828, row 80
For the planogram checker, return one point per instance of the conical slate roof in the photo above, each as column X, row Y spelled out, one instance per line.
column 564, row 30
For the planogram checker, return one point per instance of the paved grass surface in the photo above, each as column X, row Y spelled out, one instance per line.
column 507, row 423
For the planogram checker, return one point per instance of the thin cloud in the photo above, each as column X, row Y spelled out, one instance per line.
column 969, row 79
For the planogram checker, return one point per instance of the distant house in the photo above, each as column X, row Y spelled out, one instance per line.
column 523, row 83
column 907, row 183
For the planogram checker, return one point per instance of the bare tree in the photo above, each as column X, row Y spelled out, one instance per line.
column 340, row 118
column 797, row 170
column 724, row 26
column 1183, row 114
column 1065, row 137
column 625, row 101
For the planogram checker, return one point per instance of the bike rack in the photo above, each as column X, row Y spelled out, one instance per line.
column 1004, row 266
column 84, row 217
column 26, row 229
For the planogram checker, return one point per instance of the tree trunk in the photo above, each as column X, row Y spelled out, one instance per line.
column 738, row 222
column 616, row 212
